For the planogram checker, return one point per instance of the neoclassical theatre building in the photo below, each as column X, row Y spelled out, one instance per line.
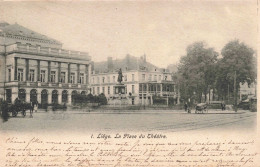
column 35, row 67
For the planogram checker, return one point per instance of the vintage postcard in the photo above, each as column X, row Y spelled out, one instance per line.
column 129, row 83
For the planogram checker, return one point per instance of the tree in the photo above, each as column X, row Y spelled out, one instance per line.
column 196, row 71
column 237, row 59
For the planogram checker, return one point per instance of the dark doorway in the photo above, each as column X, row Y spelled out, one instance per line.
column 55, row 96
column 8, row 95
column 22, row 94
column 44, row 97
column 64, row 96
column 33, row 95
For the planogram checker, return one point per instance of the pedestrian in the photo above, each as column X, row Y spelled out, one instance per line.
column 36, row 106
column 4, row 109
column 31, row 108
column 185, row 106
column 222, row 105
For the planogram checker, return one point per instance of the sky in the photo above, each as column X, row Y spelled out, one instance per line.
column 160, row 30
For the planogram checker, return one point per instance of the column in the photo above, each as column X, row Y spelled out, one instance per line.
column 86, row 72
column 39, row 97
column 38, row 70
column 69, row 73
column 27, row 69
column 59, row 71
column 78, row 73
column 69, row 98
column 27, row 97
column 59, row 98
column 49, row 71
column 49, row 97
column 89, row 73
column 161, row 90
column 14, row 94
column 15, row 68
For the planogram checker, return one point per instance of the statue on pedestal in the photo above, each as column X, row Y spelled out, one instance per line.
column 120, row 76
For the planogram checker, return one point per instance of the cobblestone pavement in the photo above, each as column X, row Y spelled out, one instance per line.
column 141, row 120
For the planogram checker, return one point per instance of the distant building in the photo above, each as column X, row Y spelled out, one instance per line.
column 247, row 91
column 141, row 78
column 35, row 67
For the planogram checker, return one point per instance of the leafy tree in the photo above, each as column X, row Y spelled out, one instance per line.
column 102, row 99
column 196, row 71
column 239, row 58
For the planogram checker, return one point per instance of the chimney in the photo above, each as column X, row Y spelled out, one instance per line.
column 110, row 64
column 144, row 58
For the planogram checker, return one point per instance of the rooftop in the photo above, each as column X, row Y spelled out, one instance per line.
column 128, row 63
column 16, row 30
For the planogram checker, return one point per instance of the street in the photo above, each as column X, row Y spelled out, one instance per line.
column 135, row 120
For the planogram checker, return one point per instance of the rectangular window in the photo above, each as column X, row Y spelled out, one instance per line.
column 72, row 78
column 155, row 77
column 133, row 89
column 150, row 77
column 53, row 76
column 103, row 79
column 93, row 80
column 108, row 90
column 9, row 74
column 42, row 76
column 31, row 75
column 103, row 90
column 160, row 77
column 62, row 77
column 98, row 91
column 108, row 79
column 125, row 77
column 143, row 77
column 133, row 77
column 81, row 78
column 20, row 74
column 114, row 79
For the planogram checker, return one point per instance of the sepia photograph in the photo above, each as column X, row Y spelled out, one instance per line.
column 134, row 83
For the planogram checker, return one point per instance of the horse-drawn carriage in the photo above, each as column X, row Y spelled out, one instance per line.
column 201, row 108
column 17, row 107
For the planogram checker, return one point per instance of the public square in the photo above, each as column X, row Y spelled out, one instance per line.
column 132, row 121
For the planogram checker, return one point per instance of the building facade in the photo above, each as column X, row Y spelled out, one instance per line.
column 247, row 91
column 142, row 80
column 36, row 68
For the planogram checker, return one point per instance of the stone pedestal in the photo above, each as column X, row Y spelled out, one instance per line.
column 120, row 89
